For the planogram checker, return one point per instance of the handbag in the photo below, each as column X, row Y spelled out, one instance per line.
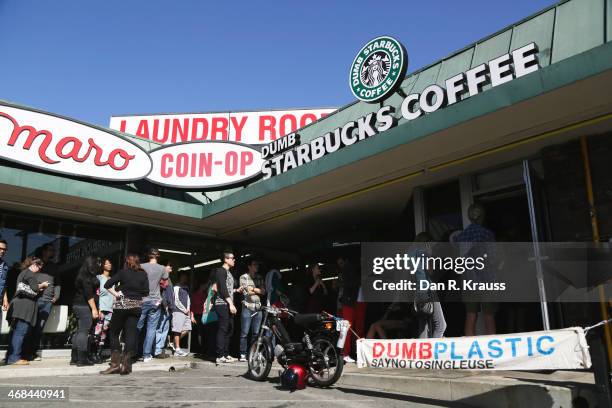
column 209, row 315
column 25, row 291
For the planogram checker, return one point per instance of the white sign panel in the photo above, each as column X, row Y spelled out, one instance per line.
column 64, row 146
column 204, row 165
column 242, row 127
column 543, row 350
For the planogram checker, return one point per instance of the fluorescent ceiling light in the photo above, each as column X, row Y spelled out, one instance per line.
column 286, row 270
column 172, row 251
column 186, row 268
column 330, row 278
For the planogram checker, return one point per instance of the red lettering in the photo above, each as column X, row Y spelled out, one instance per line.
column 166, row 130
column 32, row 135
column 267, row 124
column 143, row 129
column 182, row 164
column 283, row 124
column 307, row 118
column 378, row 349
column 390, row 352
column 59, row 149
column 238, row 126
column 219, row 126
column 206, row 164
column 409, row 352
column 179, row 130
column 231, row 163
column 122, row 126
column 246, row 159
column 424, row 351
column 73, row 154
column 194, row 129
column 166, row 170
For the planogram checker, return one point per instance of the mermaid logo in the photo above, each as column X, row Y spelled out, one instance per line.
column 378, row 68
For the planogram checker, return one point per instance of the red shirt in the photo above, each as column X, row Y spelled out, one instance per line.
column 197, row 301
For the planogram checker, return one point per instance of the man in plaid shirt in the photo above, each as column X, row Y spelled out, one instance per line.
column 475, row 241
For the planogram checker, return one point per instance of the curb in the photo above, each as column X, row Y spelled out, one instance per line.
column 25, row 372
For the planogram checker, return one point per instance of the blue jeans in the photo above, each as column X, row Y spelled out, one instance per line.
column 19, row 331
column 161, row 333
column 248, row 322
column 32, row 343
column 149, row 315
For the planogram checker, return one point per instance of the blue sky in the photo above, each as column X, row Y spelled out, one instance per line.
column 90, row 60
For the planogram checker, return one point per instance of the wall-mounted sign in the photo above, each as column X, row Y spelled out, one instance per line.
column 242, row 127
column 204, row 165
column 378, row 69
column 497, row 71
column 65, row 146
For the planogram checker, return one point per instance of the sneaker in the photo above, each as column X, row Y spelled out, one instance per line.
column 221, row 360
column 21, row 362
column 349, row 360
column 181, row 353
column 242, row 358
column 230, row 359
column 147, row 359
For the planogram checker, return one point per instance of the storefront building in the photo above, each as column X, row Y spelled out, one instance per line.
column 534, row 150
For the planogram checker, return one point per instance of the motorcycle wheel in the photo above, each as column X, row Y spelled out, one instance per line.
column 328, row 364
column 259, row 361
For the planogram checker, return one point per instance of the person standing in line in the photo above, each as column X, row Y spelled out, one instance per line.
column 432, row 325
column 163, row 327
column 22, row 311
column 84, row 309
column 182, row 316
column 348, row 301
column 224, row 306
column 251, row 287
column 475, row 241
column 4, row 270
column 197, row 308
column 105, row 308
column 316, row 289
column 151, row 305
column 129, row 287
column 49, row 273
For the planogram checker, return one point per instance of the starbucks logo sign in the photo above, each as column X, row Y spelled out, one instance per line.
column 378, row 68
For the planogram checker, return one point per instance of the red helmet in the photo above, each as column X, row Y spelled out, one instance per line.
column 294, row 377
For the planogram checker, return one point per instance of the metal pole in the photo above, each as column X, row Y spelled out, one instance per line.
column 536, row 244
column 595, row 229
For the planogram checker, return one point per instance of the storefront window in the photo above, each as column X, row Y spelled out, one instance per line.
column 71, row 243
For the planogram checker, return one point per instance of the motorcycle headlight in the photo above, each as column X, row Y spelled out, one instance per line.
column 329, row 325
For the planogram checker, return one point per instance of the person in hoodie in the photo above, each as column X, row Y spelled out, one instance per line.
column 182, row 317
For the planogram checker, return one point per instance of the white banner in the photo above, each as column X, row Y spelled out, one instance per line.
column 544, row 350
column 243, row 127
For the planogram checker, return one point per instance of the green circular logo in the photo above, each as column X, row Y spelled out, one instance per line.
column 378, row 69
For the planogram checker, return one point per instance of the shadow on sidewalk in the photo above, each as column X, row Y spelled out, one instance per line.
column 403, row 397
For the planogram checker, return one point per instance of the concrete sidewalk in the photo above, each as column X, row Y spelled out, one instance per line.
column 472, row 388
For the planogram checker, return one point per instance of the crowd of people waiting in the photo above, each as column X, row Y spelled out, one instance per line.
column 133, row 310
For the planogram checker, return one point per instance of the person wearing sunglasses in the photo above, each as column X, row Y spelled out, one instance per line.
column 22, row 313
column 224, row 306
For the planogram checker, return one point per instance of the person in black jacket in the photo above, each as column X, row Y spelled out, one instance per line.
column 84, row 309
column 224, row 306
column 131, row 285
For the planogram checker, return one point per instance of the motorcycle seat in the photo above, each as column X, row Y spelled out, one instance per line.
column 306, row 319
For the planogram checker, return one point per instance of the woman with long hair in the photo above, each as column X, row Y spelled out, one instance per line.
column 316, row 289
column 129, row 286
column 22, row 313
column 84, row 309
column 105, row 307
